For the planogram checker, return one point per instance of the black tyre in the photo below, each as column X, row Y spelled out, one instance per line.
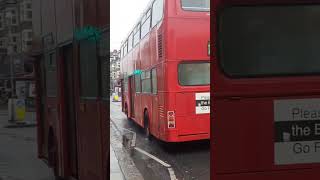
column 126, row 112
column 147, row 126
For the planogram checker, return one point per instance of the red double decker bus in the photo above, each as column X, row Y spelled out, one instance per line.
column 72, row 89
column 165, row 65
column 266, row 96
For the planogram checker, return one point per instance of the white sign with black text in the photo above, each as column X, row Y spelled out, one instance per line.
column 202, row 103
column 297, row 131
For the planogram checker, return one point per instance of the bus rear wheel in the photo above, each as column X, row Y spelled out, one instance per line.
column 126, row 112
column 147, row 126
column 53, row 156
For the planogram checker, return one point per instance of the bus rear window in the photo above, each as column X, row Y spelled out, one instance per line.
column 194, row 74
column 270, row 40
column 195, row 5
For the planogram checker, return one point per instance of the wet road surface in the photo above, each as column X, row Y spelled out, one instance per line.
column 189, row 160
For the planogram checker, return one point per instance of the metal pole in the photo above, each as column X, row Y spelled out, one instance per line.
column 12, row 88
column 10, row 54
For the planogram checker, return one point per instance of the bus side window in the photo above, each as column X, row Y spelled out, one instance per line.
column 154, row 81
column 138, row 83
column 157, row 12
column 146, row 82
column 136, row 36
column 130, row 42
column 125, row 84
column 125, row 48
column 88, row 69
column 146, row 24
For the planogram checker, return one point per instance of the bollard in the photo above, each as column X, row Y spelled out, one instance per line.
column 17, row 111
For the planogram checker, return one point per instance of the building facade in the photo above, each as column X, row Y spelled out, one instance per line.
column 15, row 26
column 16, row 35
column 114, row 65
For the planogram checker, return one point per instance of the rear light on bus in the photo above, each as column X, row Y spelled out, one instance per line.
column 171, row 120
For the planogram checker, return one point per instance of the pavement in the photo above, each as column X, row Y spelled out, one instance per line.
column 18, row 153
column 115, row 171
column 122, row 165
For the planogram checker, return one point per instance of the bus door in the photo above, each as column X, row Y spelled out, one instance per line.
column 122, row 94
column 70, row 115
column 43, row 126
column 266, row 91
column 88, row 122
column 155, row 104
column 132, row 94
column 52, row 109
column 105, row 102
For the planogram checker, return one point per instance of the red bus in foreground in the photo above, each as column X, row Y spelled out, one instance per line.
column 165, row 65
column 266, row 96
column 73, row 129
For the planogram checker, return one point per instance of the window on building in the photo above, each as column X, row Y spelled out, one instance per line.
column 146, row 82
column 30, row 34
column 15, row 48
column 29, row 14
column 1, row 21
column 145, row 28
column 154, row 81
column 157, row 12
column 14, row 20
column 28, row 68
column 28, row 6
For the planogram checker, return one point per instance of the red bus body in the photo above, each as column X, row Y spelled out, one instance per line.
column 73, row 126
column 248, row 110
column 179, row 37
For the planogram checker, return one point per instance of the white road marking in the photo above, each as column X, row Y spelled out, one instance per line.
column 168, row 166
column 153, row 157
column 133, row 145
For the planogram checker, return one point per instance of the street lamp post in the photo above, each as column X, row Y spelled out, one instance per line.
column 8, row 17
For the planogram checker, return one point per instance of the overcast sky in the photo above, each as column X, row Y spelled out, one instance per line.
column 124, row 15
